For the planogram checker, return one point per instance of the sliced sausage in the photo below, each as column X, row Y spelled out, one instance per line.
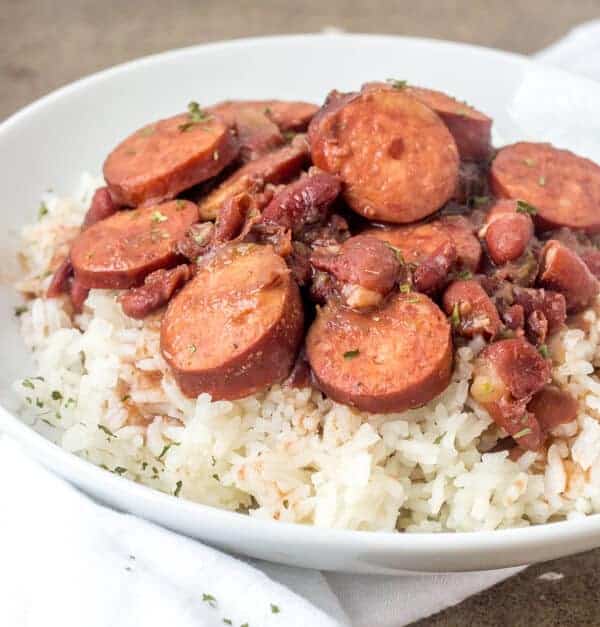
column 256, row 133
column 564, row 188
column 158, row 288
column 287, row 115
column 415, row 243
column 507, row 232
column 471, row 310
column 102, row 206
column 471, row 129
column 506, row 376
column 385, row 360
column 365, row 268
column 468, row 248
column 553, row 407
column 564, row 271
column 236, row 327
column 276, row 167
column 120, row 251
column 395, row 156
column 162, row 159
column 303, row 202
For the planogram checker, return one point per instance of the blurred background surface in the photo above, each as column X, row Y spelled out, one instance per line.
column 47, row 43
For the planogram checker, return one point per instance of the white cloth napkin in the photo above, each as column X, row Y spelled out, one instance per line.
column 68, row 562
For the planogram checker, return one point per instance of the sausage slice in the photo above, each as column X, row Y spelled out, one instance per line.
column 507, row 232
column 564, row 188
column 416, row 242
column 471, row 129
column 236, row 327
column 564, row 271
column 386, row 360
column 162, row 159
column 287, row 115
column 276, row 167
column 397, row 159
column 118, row 252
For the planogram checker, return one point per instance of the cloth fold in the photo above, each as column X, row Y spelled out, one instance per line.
column 66, row 561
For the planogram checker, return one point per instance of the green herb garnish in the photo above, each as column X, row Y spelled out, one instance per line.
column 20, row 310
column 165, row 450
column 210, row 599
column 196, row 115
column 525, row 207
column 351, row 354
column 227, row 621
column 157, row 216
column 396, row 251
column 107, row 431
column 26, row 383
column 465, row 275
column 274, row 609
column 480, row 200
column 543, row 350
column 178, row 486
column 396, row 84
column 147, row 131
column 56, row 395
column 405, row 288
column 43, row 210
column 455, row 316
column 119, row 470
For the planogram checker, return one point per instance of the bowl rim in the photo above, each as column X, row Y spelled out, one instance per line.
column 428, row 543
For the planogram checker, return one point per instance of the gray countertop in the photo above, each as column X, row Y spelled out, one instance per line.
column 45, row 44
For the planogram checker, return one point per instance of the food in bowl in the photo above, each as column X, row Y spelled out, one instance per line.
column 358, row 315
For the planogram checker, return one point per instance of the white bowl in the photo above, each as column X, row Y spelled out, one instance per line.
column 49, row 143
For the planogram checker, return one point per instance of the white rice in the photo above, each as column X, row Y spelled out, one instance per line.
column 102, row 390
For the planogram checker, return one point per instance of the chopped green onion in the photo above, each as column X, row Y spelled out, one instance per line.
column 525, row 207
column 396, row 84
column 107, row 431
column 455, row 316
column 351, row 354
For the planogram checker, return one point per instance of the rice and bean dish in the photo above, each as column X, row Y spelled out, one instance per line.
column 359, row 315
